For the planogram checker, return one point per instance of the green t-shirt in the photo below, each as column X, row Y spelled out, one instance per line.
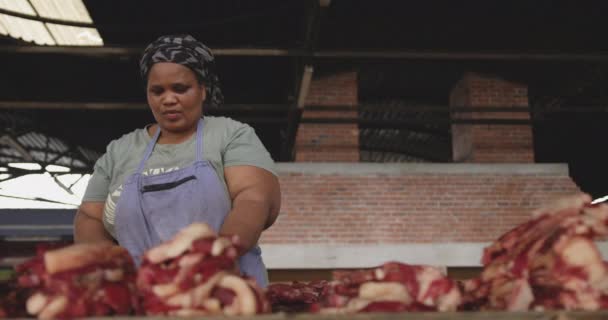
column 226, row 143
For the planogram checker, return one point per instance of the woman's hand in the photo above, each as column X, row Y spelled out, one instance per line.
column 88, row 224
column 256, row 199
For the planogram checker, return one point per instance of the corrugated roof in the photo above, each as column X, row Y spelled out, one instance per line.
column 45, row 33
column 35, row 147
column 429, row 142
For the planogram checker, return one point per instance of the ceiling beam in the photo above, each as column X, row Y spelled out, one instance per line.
column 304, row 69
column 457, row 55
column 23, row 105
column 136, row 51
column 11, row 141
column 46, row 20
column 351, row 53
column 283, row 108
column 304, row 86
column 402, row 123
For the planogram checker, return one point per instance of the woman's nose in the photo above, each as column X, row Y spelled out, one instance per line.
column 169, row 99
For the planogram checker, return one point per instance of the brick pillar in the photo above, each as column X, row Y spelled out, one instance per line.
column 490, row 143
column 330, row 142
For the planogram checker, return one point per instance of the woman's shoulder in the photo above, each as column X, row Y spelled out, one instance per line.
column 223, row 125
column 222, row 122
column 128, row 141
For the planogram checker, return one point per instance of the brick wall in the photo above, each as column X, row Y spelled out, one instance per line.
column 330, row 142
column 491, row 143
column 409, row 203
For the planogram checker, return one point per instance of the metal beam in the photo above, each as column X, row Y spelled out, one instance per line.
column 46, row 20
column 397, row 124
column 15, row 105
column 136, row 51
column 351, row 53
column 420, row 108
column 304, row 69
column 295, row 114
column 304, row 86
column 453, row 55
column 277, row 108
column 17, row 146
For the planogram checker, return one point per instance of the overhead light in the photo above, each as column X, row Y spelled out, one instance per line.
column 3, row 169
column 25, row 165
column 54, row 168
column 49, row 33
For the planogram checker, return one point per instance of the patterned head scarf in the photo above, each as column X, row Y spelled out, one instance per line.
column 187, row 51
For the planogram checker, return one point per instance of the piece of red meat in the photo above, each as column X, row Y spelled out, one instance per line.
column 296, row 296
column 549, row 262
column 78, row 281
column 194, row 274
column 392, row 287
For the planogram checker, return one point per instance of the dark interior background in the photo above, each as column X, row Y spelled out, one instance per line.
column 568, row 74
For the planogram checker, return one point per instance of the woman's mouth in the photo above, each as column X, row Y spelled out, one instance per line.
column 172, row 115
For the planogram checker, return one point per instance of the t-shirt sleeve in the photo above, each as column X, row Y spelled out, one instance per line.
column 245, row 148
column 99, row 183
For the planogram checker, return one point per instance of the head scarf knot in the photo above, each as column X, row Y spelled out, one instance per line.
column 189, row 52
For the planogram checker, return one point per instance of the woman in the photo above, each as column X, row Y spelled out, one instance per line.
column 184, row 168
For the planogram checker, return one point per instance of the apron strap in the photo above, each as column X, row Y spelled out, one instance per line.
column 150, row 146
column 148, row 152
column 199, row 140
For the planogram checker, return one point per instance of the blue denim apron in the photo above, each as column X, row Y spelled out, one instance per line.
column 152, row 209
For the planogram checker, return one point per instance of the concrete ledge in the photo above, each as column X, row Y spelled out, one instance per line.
column 463, row 254
column 349, row 168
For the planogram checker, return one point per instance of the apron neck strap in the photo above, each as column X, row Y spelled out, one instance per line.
column 154, row 139
column 149, row 149
column 199, row 140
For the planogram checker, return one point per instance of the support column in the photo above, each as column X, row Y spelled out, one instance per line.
column 497, row 143
column 330, row 142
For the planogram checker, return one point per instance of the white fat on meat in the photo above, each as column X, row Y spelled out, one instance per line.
column 425, row 278
column 212, row 305
column 180, row 243
column 582, row 253
column 53, row 308
column 197, row 295
column 190, row 260
column 521, row 296
column 219, row 245
column 384, row 291
column 245, row 302
column 355, row 305
column 35, row 303
column 444, row 302
column 113, row 275
column 165, row 289
column 450, row 301
column 80, row 255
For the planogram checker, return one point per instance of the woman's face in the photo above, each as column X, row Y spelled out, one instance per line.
column 175, row 97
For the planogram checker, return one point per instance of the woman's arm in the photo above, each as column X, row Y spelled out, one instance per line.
column 256, row 200
column 88, row 224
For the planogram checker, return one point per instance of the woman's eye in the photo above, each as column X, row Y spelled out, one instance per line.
column 180, row 88
column 156, row 91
